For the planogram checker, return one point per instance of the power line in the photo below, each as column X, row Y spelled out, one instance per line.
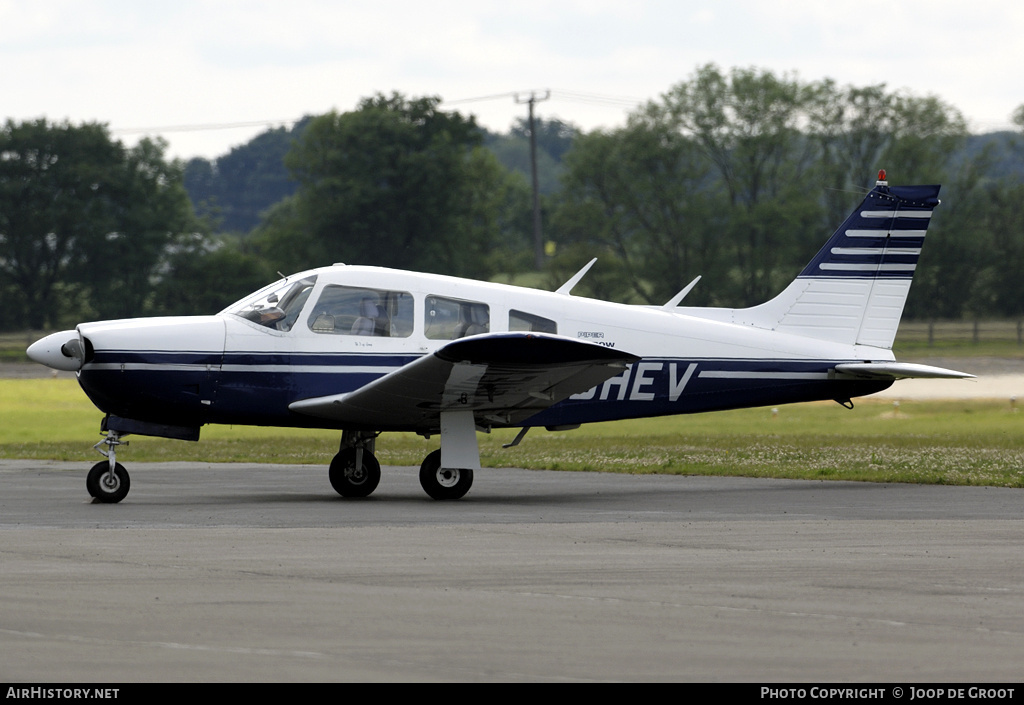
column 598, row 98
column 563, row 95
column 616, row 101
column 478, row 99
column 203, row 127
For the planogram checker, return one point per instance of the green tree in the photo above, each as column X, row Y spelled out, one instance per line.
column 953, row 277
column 394, row 183
column 851, row 128
column 1018, row 117
column 1004, row 223
column 642, row 195
column 84, row 221
column 860, row 130
column 927, row 131
column 554, row 139
column 55, row 196
column 235, row 189
column 202, row 275
column 151, row 214
column 747, row 123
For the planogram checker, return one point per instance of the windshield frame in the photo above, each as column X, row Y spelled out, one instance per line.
column 277, row 306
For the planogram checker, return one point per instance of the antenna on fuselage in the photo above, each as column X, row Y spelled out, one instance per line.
column 675, row 300
column 567, row 287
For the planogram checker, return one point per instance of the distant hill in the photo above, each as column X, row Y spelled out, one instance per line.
column 1004, row 150
column 237, row 188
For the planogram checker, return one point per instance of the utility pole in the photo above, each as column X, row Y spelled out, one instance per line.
column 538, row 240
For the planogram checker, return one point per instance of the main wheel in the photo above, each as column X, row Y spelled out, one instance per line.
column 348, row 480
column 444, row 483
column 106, row 487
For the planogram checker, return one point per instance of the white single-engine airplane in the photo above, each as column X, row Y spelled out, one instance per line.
column 367, row 350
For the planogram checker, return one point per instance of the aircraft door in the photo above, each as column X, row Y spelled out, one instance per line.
column 209, row 380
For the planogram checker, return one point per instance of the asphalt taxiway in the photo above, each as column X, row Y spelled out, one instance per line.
column 262, row 573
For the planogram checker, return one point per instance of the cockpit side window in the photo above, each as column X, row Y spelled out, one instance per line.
column 448, row 319
column 349, row 310
column 522, row 321
column 280, row 306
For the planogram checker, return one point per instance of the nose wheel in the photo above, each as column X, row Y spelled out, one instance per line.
column 108, row 485
column 108, row 481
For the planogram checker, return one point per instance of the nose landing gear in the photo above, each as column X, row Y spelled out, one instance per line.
column 108, row 481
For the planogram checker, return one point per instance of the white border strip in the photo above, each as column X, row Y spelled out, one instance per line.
column 734, row 374
column 867, row 251
column 885, row 233
column 896, row 214
column 848, row 267
column 158, row 367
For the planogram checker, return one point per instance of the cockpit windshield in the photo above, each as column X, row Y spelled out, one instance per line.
column 277, row 306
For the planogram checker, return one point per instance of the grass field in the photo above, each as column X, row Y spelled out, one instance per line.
column 994, row 338
column 960, row 443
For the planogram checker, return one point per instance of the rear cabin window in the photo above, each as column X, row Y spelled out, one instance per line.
column 448, row 319
column 522, row 321
column 348, row 310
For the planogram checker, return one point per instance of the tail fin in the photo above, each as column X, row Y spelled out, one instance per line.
column 854, row 289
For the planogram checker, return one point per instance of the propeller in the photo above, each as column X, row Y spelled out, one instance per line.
column 61, row 351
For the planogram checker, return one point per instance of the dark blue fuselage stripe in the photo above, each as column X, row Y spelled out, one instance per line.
column 257, row 396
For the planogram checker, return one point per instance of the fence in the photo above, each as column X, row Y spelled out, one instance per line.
column 999, row 333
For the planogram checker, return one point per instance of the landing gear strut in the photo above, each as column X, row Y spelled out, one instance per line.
column 355, row 472
column 108, row 481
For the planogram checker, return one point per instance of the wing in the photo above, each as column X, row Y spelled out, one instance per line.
column 897, row 370
column 503, row 378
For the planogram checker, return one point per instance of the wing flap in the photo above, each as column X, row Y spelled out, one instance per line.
column 503, row 378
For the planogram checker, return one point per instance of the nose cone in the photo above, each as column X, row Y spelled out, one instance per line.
column 61, row 351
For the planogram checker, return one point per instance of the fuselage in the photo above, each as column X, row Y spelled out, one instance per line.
column 335, row 329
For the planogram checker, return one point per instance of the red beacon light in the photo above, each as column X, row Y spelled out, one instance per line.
column 881, row 178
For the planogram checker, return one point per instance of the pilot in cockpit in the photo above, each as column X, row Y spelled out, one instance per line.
column 372, row 319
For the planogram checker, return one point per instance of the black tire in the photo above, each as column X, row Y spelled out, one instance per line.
column 350, row 481
column 444, row 483
column 106, row 488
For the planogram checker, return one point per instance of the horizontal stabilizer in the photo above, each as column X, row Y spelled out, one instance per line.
column 898, row 370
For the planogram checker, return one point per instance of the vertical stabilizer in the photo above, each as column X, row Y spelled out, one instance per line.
column 854, row 289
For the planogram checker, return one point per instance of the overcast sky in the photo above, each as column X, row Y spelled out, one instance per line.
column 240, row 66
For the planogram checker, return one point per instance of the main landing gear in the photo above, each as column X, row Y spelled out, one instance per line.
column 108, row 481
column 355, row 472
column 444, row 483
